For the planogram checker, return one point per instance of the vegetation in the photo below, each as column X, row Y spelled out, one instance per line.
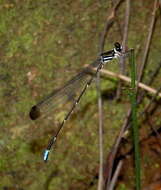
column 43, row 43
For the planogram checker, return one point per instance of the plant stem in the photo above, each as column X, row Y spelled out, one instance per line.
column 134, row 121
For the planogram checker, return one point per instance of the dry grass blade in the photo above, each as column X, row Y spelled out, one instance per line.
column 128, row 80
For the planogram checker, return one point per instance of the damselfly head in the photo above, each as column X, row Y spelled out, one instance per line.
column 118, row 47
column 34, row 113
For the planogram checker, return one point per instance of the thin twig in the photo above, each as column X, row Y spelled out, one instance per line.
column 142, row 94
column 158, row 136
column 115, row 176
column 143, row 62
column 152, row 100
column 125, row 124
column 148, row 41
column 121, row 133
column 109, row 23
column 150, row 81
column 124, row 44
column 128, row 80
column 113, row 2
column 100, row 117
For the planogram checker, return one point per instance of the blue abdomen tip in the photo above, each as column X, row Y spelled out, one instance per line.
column 46, row 155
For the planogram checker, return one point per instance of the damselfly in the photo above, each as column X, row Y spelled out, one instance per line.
column 69, row 91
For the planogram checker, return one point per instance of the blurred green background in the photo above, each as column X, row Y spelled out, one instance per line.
column 43, row 43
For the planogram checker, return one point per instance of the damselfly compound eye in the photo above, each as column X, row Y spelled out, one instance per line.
column 118, row 47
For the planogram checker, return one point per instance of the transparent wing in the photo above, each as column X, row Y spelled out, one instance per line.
column 65, row 95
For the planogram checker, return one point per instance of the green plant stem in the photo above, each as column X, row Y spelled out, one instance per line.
column 135, row 128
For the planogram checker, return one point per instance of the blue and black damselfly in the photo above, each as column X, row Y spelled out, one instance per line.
column 69, row 91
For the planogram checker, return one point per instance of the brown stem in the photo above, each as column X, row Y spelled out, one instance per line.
column 148, row 42
column 124, row 44
column 109, row 23
column 128, row 80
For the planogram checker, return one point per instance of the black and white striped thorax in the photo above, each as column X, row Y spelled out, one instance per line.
column 109, row 55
